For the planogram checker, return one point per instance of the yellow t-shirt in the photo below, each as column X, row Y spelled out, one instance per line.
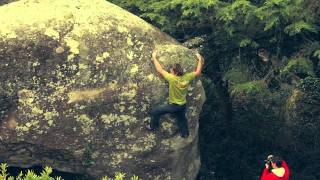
column 178, row 87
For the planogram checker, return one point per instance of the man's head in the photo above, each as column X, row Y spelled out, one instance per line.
column 176, row 69
column 276, row 162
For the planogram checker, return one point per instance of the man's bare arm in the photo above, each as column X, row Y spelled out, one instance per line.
column 158, row 66
column 200, row 64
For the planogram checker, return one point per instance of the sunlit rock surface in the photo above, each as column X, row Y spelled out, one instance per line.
column 77, row 85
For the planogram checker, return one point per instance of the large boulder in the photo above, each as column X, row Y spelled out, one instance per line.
column 77, row 85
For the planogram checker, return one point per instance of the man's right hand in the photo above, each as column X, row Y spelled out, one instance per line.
column 154, row 56
column 199, row 64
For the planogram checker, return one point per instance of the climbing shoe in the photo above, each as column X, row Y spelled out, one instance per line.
column 149, row 128
column 184, row 135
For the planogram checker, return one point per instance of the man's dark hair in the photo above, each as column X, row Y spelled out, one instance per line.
column 177, row 69
column 277, row 160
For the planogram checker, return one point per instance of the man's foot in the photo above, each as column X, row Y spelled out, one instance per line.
column 184, row 135
column 149, row 128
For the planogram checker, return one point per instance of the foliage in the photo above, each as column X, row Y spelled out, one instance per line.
column 242, row 19
column 297, row 27
column 317, row 54
column 300, row 67
column 3, row 169
column 45, row 175
column 249, row 88
column 238, row 74
column 30, row 175
column 120, row 176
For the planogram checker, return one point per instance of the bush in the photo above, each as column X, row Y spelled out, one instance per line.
column 45, row 175
column 300, row 67
column 238, row 75
column 250, row 88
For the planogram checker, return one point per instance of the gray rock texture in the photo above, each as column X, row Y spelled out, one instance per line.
column 2, row 2
column 77, row 85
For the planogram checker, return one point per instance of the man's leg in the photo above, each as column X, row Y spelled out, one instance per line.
column 157, row 112
column 182, row 122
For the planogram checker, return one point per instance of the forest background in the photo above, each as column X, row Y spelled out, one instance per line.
column 261, row 79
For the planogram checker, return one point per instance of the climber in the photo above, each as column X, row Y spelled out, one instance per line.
column 178, row 87
column 275, row 169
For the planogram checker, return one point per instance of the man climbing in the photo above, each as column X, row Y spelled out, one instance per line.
column 178, row 87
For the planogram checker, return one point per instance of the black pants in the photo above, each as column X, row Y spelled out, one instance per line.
column 179, row 111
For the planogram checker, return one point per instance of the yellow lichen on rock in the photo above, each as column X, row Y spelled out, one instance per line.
column 105, row 55
column 99, row 59
column 129, row 41
column 134, row 69
column 7, row 33
column 70, row 57
column 129, row 94
column 111, row 120
column 130, row 55
column 87, row 124
column 26, row 96
column 150, row 77
column 122, row 29
column 83, row 66
column 50, row 115
column 85, row 21
column 167, row 126
column 117, row 158
column 73, row 44
column 59, row 50
column 36, row 110
column 24, row 128
column 144, row 144
column 26, row 100
column 52, row 33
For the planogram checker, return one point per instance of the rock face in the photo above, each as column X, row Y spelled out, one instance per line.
column 77, row 85
column 302, row 113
